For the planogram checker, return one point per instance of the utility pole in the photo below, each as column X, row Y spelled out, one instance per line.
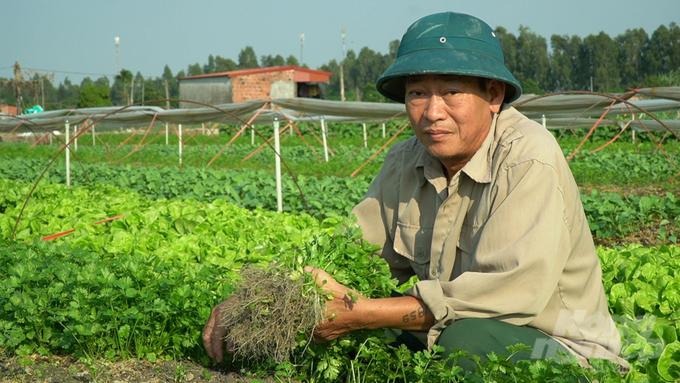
column 18, row 79
column 117, row 40
column 167, row 95
column 342, row 71
column 302, row 47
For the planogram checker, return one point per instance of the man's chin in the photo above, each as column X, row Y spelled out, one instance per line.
column 443, row 156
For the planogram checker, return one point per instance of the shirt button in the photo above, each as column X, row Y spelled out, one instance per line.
column 434, row 271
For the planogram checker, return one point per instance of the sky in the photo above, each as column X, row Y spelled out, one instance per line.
column 76, row 38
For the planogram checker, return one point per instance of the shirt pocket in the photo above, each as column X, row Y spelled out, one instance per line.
column 414, row 243
column 464, row 249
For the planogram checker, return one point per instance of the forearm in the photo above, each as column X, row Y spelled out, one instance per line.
column 404, row 313
column 347, row 311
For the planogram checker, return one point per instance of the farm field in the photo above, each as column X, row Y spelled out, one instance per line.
column 131, row 295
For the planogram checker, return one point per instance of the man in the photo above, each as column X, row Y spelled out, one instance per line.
column 481, row 206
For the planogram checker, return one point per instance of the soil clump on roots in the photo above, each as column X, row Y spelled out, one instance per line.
column 274, row 311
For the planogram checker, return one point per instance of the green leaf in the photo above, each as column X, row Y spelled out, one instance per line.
column 669, row 362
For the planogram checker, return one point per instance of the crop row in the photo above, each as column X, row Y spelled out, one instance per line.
column 617, row 165
column 326, row 196
column 141, row 286
column 343, row 160
column 192, row 231
column 611, row 216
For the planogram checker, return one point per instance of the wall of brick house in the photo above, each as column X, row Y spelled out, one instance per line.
column 8, row 109
column 257, row 86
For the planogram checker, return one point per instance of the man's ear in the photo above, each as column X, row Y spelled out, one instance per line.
column 496, row 91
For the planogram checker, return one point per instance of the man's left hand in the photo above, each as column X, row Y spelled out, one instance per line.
column 343, row 308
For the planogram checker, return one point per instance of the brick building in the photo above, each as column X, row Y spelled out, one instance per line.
column 8, row 109
column 252, row 84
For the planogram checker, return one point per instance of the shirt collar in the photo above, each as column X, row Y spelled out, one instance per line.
column 479, row 166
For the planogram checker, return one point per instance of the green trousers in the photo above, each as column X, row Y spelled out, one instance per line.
column 483, row 336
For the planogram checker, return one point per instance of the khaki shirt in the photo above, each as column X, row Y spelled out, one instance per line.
column 506, row 239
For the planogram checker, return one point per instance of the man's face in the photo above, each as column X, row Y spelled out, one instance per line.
column 451, row 115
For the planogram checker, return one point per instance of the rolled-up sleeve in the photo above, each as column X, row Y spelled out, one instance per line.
column 517, row 256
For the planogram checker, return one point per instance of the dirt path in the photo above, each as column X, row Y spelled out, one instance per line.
column 67, row 369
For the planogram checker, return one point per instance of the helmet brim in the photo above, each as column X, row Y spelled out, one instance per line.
column 449, row 61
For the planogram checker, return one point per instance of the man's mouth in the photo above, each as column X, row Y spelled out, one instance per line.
column 437, row 134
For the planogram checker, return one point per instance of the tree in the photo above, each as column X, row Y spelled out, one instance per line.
column 140, row 88
column 370, row 93
column 509, row 47
column 269, row 61
column 102, row 81
column 333, row 89
column 68, row 94
column 563, row 62
column 656, row 56
column 367, row 67
column 292, row 60
column 600, row 60
column 154, row 89
column 247, row 58
column 674, row 48
column 50, row 94
column 86, row 81
column 167, row 73
column 194, row 69
column 224, row 65
column 210, row 66
column 120, row 91
column 393, row 48
column 532, row 59
column 631, row 45
column 173, row 86
column 92, row 95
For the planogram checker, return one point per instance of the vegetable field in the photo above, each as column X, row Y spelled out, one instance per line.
column 148, row 247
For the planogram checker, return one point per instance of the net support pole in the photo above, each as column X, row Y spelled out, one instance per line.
column 632, row 134
column 365, row 137
column 67, row 129
column 323, row 136
column 93, row 143
column 75, row 138
column 277, row 159
column 252, row 136
column 167, row 134
column 179, row 135
column 544, row 121
column 383, row 130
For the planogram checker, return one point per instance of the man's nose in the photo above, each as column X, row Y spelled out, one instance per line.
column 435, row 108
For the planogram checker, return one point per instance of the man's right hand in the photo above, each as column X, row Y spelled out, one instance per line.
column 213, row 334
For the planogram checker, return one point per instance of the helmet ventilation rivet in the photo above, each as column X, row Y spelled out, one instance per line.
column 442, row 40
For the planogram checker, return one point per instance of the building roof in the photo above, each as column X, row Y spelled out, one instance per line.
column 301, row 74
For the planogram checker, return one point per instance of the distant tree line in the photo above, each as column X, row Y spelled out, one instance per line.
column 596, row 62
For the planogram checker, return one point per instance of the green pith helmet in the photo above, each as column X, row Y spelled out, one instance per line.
column 448, row 43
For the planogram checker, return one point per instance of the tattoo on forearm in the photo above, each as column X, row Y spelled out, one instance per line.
column 415, row 314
